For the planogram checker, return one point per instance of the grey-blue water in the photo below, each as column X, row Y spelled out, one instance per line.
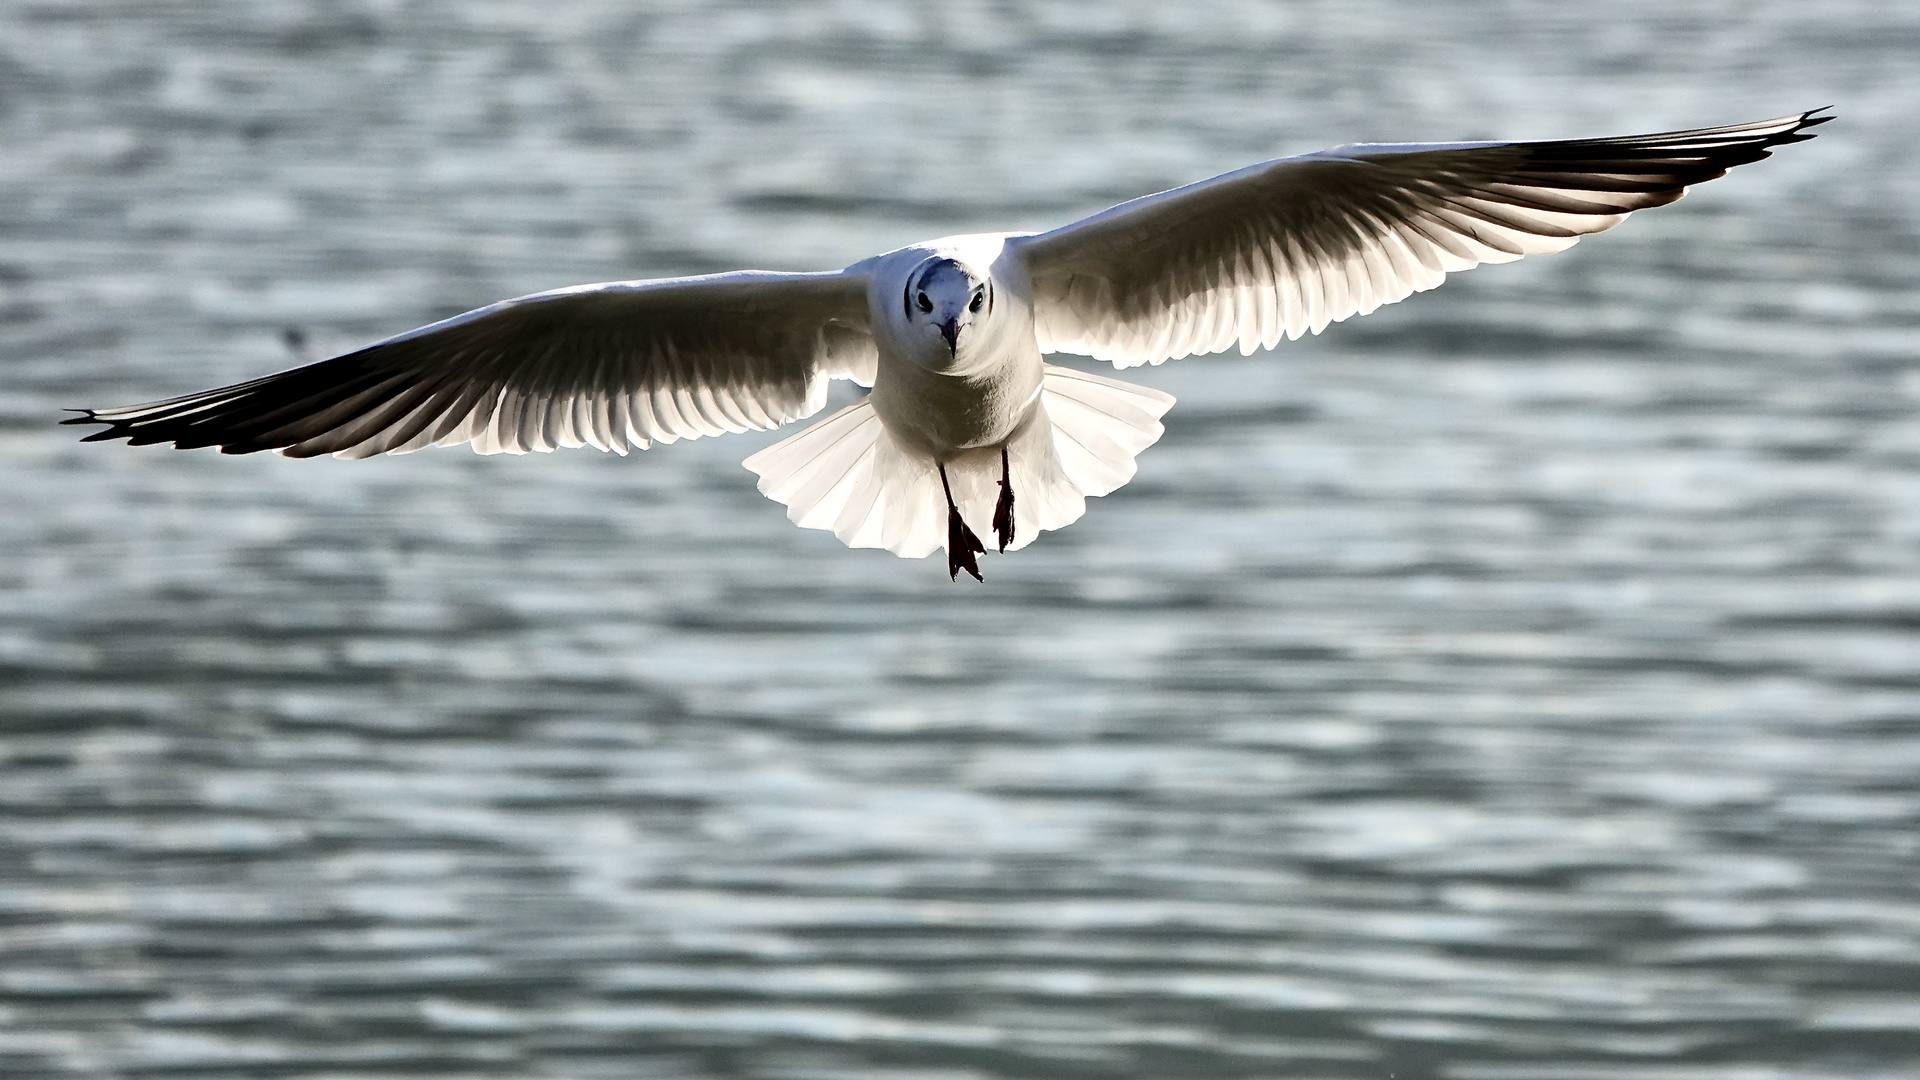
column 1520, row 683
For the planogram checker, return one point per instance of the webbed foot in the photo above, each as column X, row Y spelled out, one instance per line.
column 1003, row 510
column 962, row 544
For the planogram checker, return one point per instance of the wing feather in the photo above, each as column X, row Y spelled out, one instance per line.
column 1289, row 246
column 615, row 366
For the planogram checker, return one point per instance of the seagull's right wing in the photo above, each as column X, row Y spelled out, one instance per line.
column 1288, row 246
column 617, row 365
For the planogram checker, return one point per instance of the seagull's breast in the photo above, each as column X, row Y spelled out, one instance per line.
column 943, row 414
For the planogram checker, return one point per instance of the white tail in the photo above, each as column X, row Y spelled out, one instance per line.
column 848, row 474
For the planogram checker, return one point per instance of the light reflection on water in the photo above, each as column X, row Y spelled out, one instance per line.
column 1516, row 684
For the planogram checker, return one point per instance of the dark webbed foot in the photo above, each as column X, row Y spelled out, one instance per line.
column 962, row 544
column 1003, row 510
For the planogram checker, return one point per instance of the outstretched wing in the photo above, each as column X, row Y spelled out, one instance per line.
column 1291, row 245
column 614, row 366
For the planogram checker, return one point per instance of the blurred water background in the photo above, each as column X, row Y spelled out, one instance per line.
column 1520, row 683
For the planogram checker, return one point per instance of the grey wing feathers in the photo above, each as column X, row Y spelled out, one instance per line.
column 615, row 366
column 1288, row 246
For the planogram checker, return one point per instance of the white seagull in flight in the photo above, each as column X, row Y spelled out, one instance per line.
column 967, row 429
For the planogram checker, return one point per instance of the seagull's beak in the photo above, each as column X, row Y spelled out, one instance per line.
column 951, row 331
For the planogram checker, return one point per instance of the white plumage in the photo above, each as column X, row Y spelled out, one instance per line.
column 966, row 427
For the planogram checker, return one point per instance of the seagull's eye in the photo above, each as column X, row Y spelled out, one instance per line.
column 925, row 304
column 979, row 298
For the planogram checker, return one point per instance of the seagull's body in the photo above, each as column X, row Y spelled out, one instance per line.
column 966, row 427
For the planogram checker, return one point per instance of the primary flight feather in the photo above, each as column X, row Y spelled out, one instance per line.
column 966, row 427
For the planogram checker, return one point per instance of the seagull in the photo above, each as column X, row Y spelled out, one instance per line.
column 966, row 429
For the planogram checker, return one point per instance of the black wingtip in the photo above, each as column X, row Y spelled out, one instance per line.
column 1812, row 118
column 90, row 416
column 1800, row 131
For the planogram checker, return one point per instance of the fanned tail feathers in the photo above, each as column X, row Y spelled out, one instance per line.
column 847, row 473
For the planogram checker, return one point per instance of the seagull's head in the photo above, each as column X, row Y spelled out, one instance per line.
column 942, row 300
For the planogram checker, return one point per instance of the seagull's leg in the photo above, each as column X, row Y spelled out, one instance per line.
column 1003, row 510
column 962, row 544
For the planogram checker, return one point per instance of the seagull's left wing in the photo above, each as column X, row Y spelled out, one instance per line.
column 1291, row 245
column 618, row 365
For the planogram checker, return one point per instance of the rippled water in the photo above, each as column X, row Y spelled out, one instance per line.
column 1521, row 683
